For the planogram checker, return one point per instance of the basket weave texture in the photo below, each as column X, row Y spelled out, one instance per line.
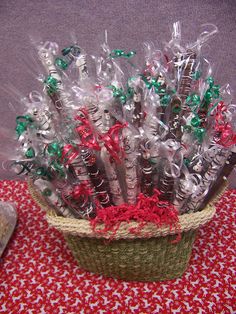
column 149, row 255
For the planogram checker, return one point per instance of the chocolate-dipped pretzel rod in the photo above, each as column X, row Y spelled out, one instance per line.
column 79, row 171
column 95, row 114
column 186, row 186
column 79, row 199
column 146, row 174
column 166, row 183
column 215, row 164
column 178, row 106
column 186, row 77
column 52, row 198
column 103, row 122
column 174, row 118
column 224, row 173
column 130, row 163
column 137, row 116
column 76, row 167
column 111, row 172
column 110, row 163
column 53, row 81
column 97, row 178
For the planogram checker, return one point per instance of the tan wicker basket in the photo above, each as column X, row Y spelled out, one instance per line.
column 147, row 256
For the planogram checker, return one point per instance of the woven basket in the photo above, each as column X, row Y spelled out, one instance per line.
column 149, row 255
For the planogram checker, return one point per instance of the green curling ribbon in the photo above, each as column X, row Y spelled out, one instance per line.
column 165, row 100
column 153, row 83
column 119, row 93
column 196, row 128
column 196, row 121
column 30, row 153
column 51, row 84
column 54, row 150
column 210, row 81
column 196, row 75
column 199, row 134
column 186, row 161
column 176, row 109
column 58, row 168
column 41, row 171
column 118, row 53
column 193, row 100
column 74, row 50
column 213, row 92
column 47, row 192
column 22, row 123
column 61, row 63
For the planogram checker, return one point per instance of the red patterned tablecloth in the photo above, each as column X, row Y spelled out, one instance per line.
column 39, row 275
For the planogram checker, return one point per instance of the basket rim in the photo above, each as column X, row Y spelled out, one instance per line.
column 82, row 227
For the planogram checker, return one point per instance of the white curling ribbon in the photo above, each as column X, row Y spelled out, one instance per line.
column 113, row 181
column 52, row 199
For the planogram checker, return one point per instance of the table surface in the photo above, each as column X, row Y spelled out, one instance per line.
column 39, row 275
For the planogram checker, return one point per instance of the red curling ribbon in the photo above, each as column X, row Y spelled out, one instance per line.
column 69, row 153
column 82, row 190
column 85, row 132
column 80, row 193
column 225, row 135
column 112, row 142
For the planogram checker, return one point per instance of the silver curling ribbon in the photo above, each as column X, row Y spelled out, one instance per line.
column 111, row 172
column 130, row 163
column 52, row 198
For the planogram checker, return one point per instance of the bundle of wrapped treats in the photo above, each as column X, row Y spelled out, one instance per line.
column 125, row 136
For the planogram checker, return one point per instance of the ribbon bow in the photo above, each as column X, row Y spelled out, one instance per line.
column 51, row 84
column 118, row 53
column 225, row 134
column 82, row 190
column 85, row 131
column 22, row 123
